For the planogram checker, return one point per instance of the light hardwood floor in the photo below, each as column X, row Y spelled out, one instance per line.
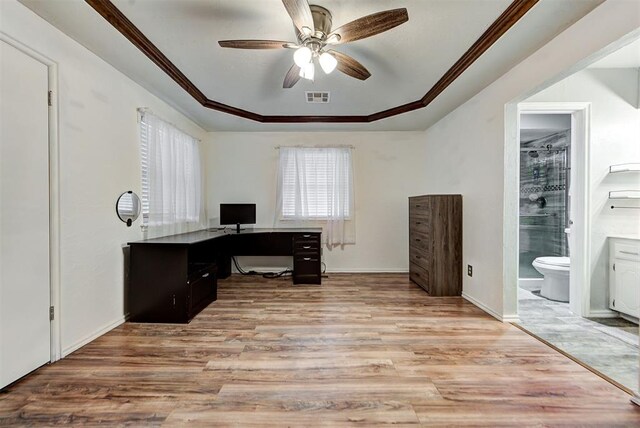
column 360, row 350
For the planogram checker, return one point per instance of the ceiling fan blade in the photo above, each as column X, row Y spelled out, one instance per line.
column 370, row 25
column 350, row 66
column 300, row 14
column 253, row 44
column 292, row 77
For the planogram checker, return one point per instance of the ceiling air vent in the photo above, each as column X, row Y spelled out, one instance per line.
column 317, row 97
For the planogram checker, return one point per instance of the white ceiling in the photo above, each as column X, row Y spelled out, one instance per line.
column 405, row 61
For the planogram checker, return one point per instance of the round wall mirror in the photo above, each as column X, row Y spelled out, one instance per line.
column 128, row 207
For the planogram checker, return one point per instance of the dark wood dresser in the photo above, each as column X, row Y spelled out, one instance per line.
column 435, row 243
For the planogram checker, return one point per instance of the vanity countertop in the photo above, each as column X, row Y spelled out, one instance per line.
column 632, row 237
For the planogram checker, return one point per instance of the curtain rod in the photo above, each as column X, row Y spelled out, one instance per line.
column 143, row 110
column 318, row 147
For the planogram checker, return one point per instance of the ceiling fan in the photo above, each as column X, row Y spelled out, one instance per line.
column 312, row 25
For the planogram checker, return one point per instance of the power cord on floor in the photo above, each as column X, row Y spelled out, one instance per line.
column 280, row 274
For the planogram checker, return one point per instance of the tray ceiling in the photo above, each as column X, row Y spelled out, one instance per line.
column 405, row 62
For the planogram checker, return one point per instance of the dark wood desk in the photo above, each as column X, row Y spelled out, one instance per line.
column 174, row 277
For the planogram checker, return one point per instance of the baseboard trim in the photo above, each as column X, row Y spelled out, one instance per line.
column 482, row 306
column 338, row 270
column 511, row 319
column 79, row 344
column 367, row 270
column 603, row 313
column 532, row 281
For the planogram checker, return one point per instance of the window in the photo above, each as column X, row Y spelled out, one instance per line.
column 315, row 184
column 171, row 178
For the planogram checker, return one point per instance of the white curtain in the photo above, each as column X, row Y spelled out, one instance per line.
column 315, row 188
column 172, row 179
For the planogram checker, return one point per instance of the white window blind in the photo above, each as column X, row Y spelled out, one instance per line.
column 171, row 176
column 316, row 184
column 144, row 163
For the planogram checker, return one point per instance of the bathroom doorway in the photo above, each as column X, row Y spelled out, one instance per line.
column 545, row 177
column 558, row 292
column 553, row 226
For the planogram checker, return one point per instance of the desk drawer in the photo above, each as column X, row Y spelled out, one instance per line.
column 202, row 289
column 306, row 240
column 305, row 247
column 305, row 265
column 311, row 267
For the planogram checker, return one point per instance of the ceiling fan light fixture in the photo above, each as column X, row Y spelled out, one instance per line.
column 308, row 71
column 302, row 56
column 328, row 62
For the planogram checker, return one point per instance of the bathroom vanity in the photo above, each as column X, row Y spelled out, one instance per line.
column 624, row 276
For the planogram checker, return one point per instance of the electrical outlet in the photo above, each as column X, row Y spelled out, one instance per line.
column 469, row 270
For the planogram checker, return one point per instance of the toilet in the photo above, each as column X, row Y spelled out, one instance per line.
column 555, row 270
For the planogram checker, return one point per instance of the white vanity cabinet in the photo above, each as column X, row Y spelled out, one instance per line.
column 624, row 276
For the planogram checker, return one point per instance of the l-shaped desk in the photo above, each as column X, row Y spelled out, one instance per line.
column 172, row 278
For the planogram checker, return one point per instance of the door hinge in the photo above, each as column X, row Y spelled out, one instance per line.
column 51, row 313
column 49, row 98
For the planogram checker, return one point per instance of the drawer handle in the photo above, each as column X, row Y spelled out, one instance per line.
column 205, row 275
column 417, row 257
column 418, row 239
column 306, row 247
column 417, row 222
column 306, row 259
column 629, row 252
column 306, row 236
column 417, row 205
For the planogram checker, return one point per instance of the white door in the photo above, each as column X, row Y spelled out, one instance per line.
column 24, row 215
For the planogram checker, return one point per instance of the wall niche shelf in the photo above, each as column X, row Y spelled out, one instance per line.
column 624, row 194
column 624, row 167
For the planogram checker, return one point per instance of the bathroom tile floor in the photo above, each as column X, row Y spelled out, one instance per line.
column 609, row 345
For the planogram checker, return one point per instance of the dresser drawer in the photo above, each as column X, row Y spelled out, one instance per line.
column 418, row 258
column 420, row 276
column 418, row 205
column 419, row 224
column 419, row 240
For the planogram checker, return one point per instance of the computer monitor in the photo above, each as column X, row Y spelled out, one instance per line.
column 237, row 214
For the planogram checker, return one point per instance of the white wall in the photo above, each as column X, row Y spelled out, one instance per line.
column 615, row 139
column 388, row 168
column 99, row 159
column 466, row 151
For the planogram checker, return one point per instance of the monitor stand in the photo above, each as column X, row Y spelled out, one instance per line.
column 238, row 228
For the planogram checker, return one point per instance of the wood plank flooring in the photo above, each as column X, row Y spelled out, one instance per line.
column 360, row 350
